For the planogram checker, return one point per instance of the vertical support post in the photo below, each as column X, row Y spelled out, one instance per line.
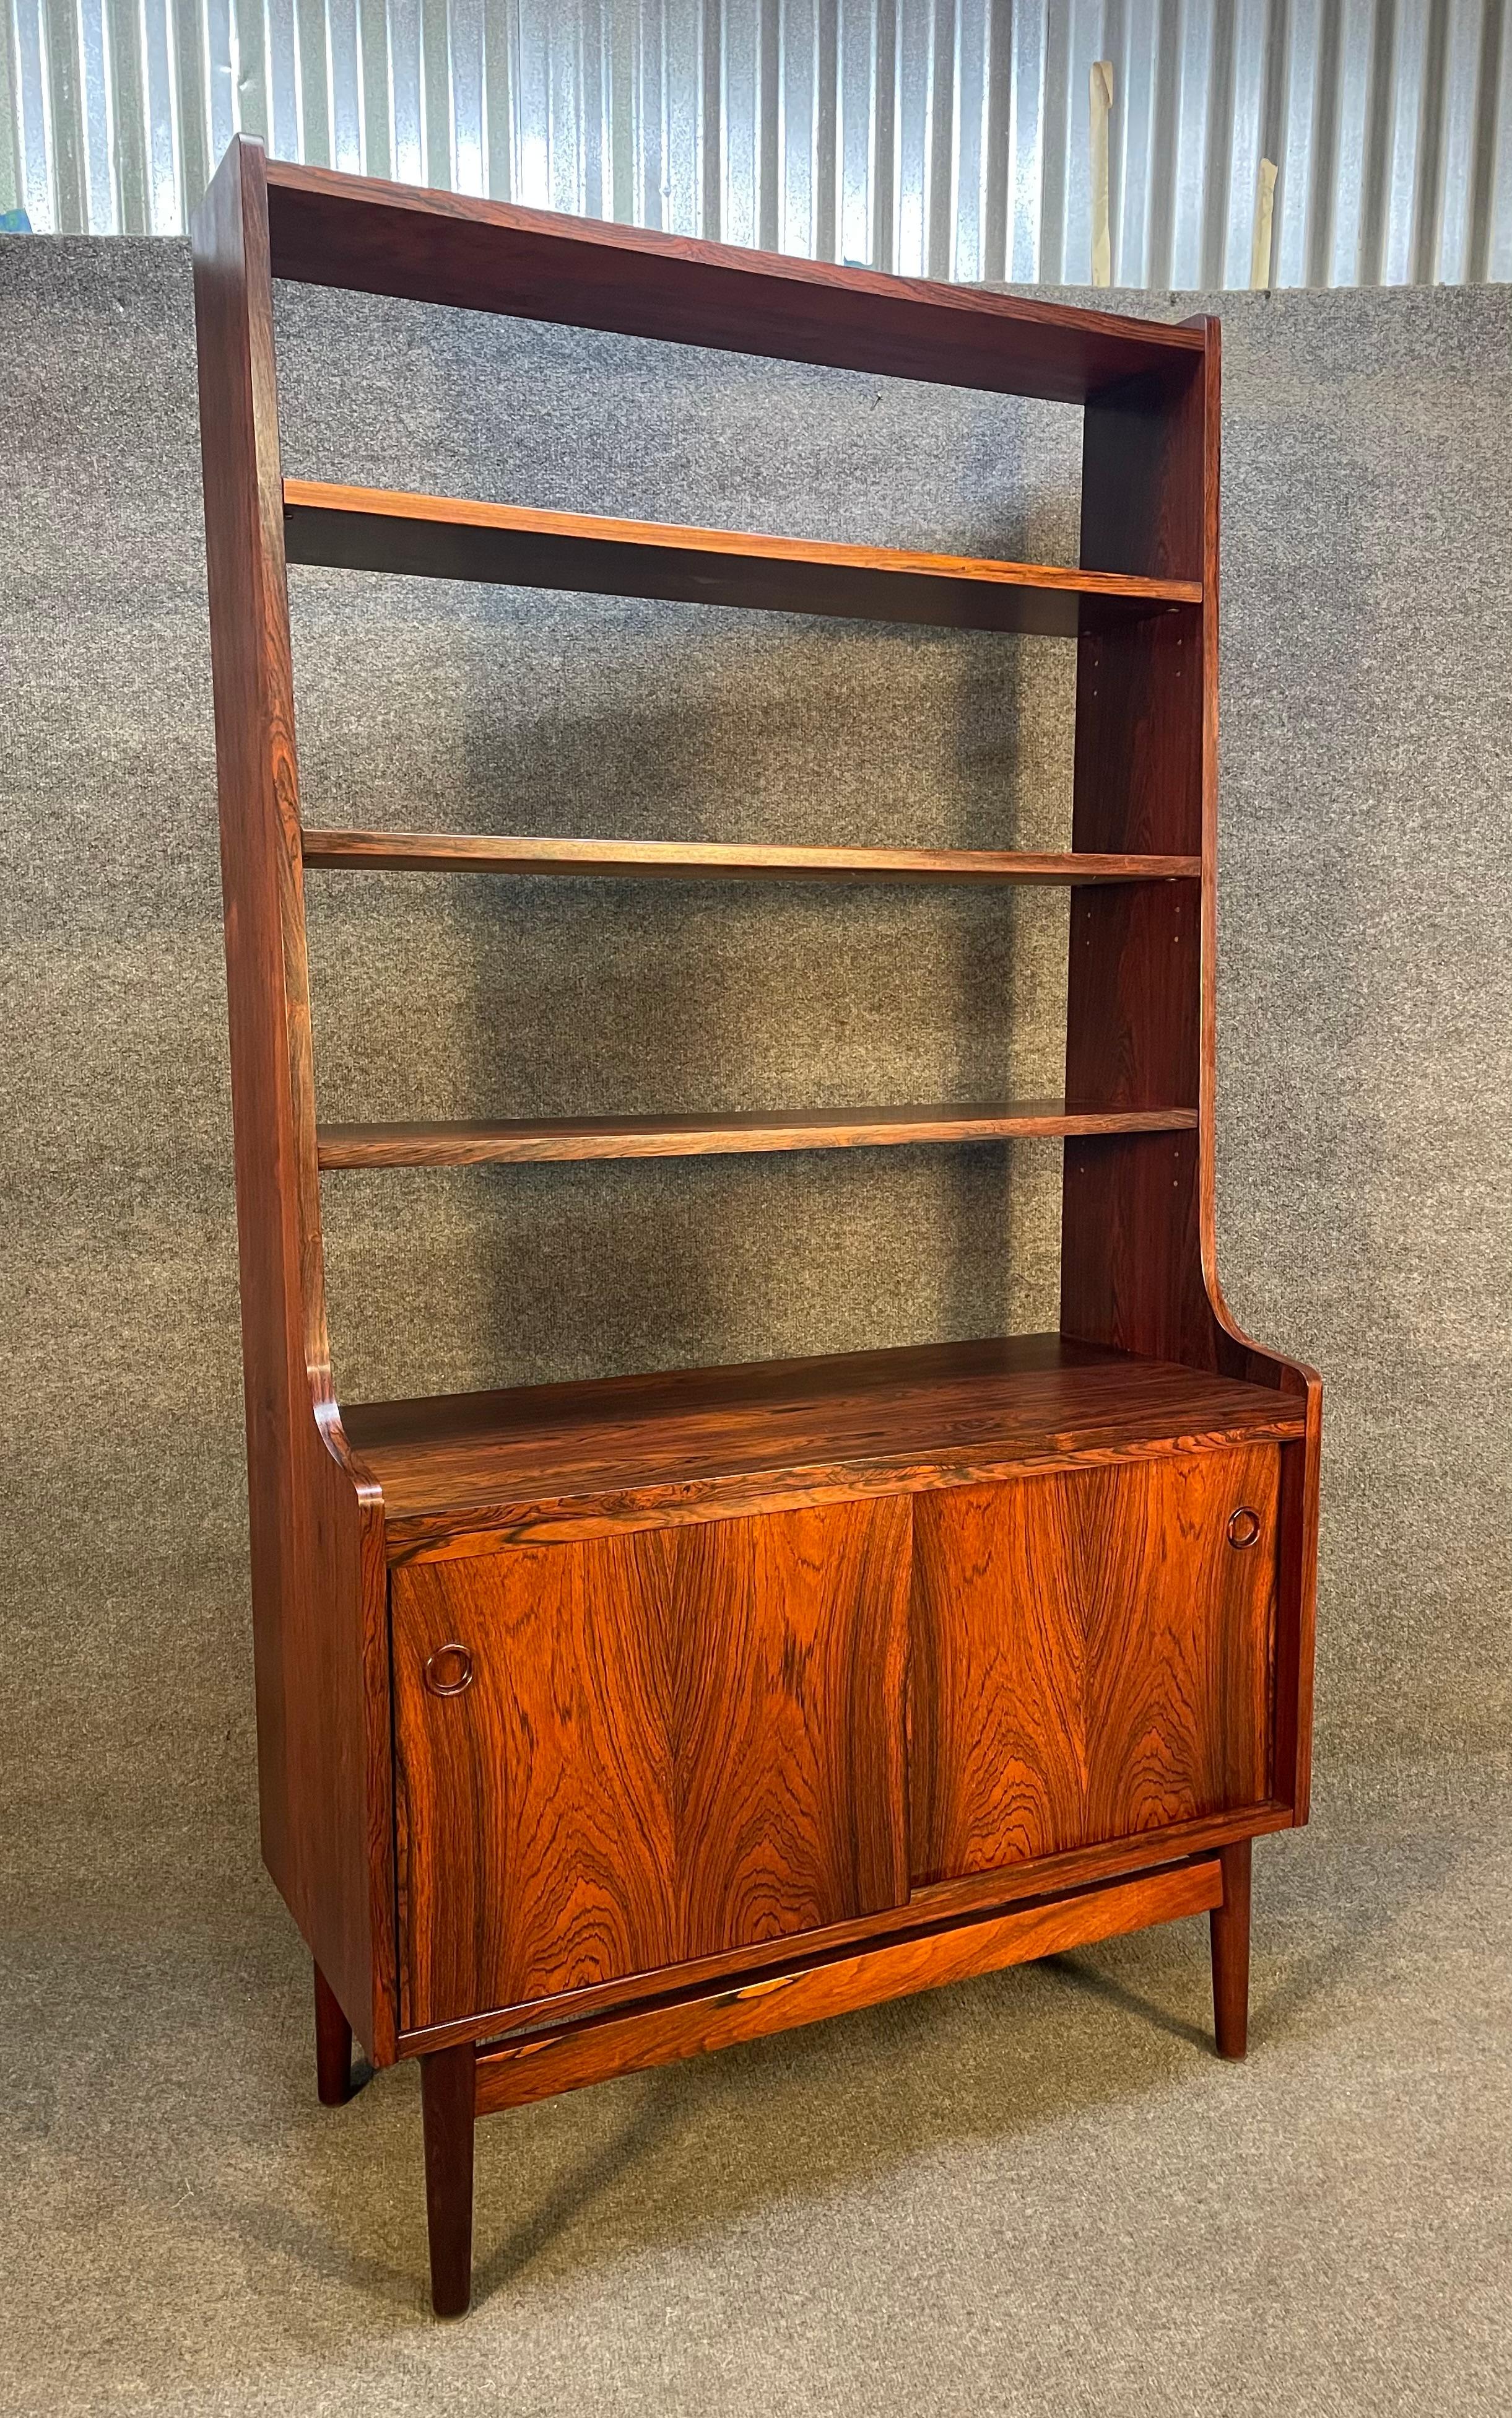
column 449, row 2107
column 333, row 2046
column 1228, row 1924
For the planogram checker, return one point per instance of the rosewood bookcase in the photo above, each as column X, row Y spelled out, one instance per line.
column 604, row 1723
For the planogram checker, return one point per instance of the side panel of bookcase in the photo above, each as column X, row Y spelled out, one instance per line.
column 316, row 1530
column 1138, row 1247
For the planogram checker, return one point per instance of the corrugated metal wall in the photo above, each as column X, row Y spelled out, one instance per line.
column 950, row 137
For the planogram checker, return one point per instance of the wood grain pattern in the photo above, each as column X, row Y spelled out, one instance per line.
column 1138, row 766
column 1228, row 1931
column 442, row 537
column 523, row 1141
column 1000, row 1738
column 1091, row 1658
column 1180, row 1636
column 1138, row 1235
column 474, row 1472
column 447, row 2102
column 333, row 2046
column 1133, row 1040
column 1141, row 1288
column 1130, row 1261
column 676, row 1742
column 514, row 2072
column 319, row 1598
column 660, row 859
column 537, row 1818
column 788, row 1733
column 928, row 1908
column 382, row 239
column 1235, row 1352
column 1297, row 1611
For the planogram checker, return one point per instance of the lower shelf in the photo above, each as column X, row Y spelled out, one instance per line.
column 462, row 1472
column 513, row 2072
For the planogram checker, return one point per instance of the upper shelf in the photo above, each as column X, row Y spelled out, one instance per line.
column 438, row 537
column 722, row 860
column 329, row 229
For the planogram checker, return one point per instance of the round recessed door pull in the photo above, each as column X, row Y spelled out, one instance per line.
column 449, row 1669
column 1243, row 1527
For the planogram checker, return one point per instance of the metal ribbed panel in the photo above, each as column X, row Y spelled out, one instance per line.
column 947, row 137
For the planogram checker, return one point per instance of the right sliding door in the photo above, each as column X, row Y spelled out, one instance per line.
column 1092, row 1656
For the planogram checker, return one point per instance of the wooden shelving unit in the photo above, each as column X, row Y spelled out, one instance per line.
column 605, row 1723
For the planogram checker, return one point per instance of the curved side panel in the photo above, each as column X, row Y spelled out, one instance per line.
column 1236, row 1354
column 1138, row 1239
column 316, row 1519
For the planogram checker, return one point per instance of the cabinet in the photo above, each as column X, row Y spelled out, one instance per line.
column 607, row 1724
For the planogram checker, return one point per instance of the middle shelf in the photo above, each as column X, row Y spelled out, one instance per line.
column 384, row 852
column 472, row 1144
column 440, row 537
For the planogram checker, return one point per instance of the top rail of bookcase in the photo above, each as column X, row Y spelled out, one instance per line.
column 326, row 229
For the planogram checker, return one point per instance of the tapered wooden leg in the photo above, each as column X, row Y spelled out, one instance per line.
column 1230, row 1927
column 333, row 2046
column 449, row 2103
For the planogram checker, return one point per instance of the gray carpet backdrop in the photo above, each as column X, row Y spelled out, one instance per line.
column 824, row 2223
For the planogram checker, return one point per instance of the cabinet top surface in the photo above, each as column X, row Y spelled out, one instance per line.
column 928, row 1414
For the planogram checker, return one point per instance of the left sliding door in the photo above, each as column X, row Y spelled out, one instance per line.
column 620, row 1754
